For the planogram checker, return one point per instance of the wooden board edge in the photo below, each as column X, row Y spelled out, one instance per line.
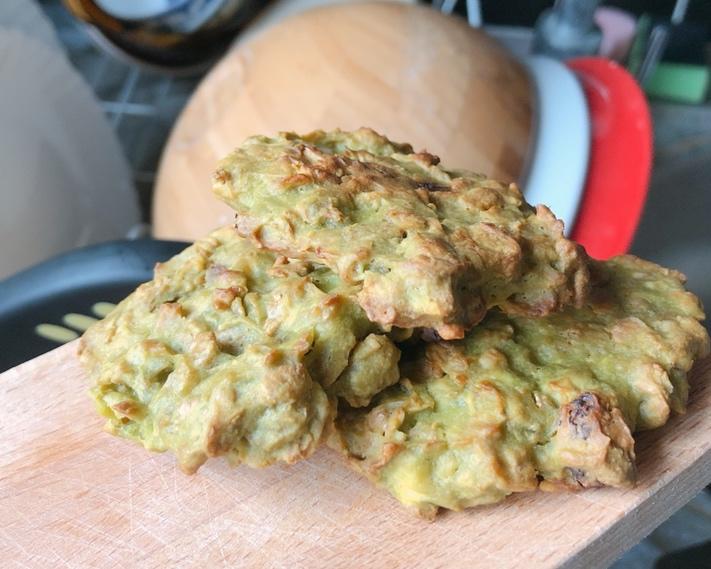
column 644, row 518
column 664, row 499
column 54, row 356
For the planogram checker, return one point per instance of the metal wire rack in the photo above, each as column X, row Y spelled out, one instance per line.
column 141, row 106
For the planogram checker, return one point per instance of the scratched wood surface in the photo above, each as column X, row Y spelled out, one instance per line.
column 71, row 495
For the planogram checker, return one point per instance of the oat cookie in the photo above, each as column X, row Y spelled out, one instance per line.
column 427, row 247
column 236, row 351
column 528, row 402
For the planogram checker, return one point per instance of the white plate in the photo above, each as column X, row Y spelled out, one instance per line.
column 26, row 16
column 65, row 182
column 558, row 163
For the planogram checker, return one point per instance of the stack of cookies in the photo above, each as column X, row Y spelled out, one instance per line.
column 427, row 323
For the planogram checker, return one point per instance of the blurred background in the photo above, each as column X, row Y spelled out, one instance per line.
column 114, row 113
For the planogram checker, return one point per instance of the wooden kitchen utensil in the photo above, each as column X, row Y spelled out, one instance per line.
column 73, row 495
column 410, row 72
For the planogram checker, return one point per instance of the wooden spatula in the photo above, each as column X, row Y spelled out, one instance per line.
column 73, row 495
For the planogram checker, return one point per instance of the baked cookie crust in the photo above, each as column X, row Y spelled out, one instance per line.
column 523, row 403
column 236, row 351
column 427, row 247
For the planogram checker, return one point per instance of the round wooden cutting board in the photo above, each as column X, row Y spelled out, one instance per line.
column 411, row 73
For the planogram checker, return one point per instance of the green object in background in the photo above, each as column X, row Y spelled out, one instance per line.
column 639, row 45
column 680, row 82
column 670, row 80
